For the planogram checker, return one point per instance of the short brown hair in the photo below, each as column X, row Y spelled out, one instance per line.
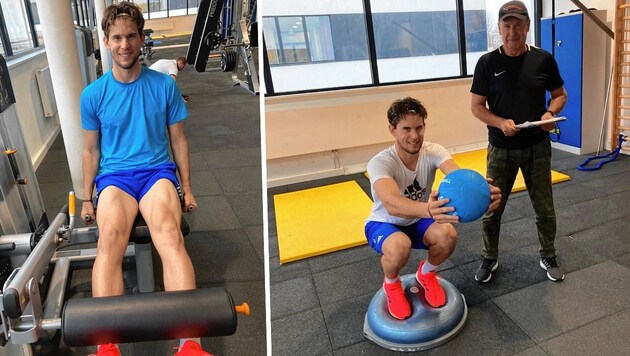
column 402, row 107
column 181, row 60
column 124, row 8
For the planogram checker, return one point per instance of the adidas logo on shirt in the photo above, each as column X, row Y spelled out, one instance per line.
column 415, row 191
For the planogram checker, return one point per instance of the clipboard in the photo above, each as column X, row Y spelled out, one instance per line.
column 528, row 124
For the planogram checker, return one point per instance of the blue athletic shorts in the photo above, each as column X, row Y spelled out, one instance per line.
column 377, row 232
column 137, row 182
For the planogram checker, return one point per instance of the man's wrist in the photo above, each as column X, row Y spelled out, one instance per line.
column 551, row 112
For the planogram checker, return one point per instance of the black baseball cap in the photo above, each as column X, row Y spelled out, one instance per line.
column 515, row 9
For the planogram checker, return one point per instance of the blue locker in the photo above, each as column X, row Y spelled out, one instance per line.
column 568, row 54
column 579, row 49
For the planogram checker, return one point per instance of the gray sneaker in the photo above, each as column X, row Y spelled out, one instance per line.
column 484, row 272
column 554, row 272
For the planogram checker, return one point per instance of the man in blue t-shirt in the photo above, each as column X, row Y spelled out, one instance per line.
column 129, row 115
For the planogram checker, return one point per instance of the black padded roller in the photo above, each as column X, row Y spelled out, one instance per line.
column 148, row 317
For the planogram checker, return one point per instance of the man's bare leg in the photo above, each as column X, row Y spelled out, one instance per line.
column 115, row 214
column 162, row 212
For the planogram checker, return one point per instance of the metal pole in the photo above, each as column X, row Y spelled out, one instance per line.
column 595, row 19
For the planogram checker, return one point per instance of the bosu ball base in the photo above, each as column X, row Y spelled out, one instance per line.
column 426, row 328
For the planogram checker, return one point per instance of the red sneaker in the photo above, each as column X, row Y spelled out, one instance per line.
column 433, row 292
column 191, row 348
column 397, row 304
column 107, row 350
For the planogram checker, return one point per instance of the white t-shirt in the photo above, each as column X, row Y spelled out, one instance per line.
column 415, row 185
column 166, row 66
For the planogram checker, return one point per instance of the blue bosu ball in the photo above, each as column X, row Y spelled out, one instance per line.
column 426, row 328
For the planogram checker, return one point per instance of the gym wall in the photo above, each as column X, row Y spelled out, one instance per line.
column 317, row 135
column 171, row 25
column 38, row 130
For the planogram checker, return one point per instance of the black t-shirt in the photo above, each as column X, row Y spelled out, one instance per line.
column 515, row 88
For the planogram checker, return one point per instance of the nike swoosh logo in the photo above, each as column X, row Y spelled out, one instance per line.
column 499, row 73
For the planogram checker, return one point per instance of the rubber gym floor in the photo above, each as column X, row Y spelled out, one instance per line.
column 318, row 304
column 226, row 239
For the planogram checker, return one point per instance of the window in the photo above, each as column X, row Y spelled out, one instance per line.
column 350, row 37
column 193, row 5
column 420, row 36
column 37, row 24
column 154, row 9
column 482, row 26
column 331, row 44
column 316, row 45
column 320, row 38
column 157, row 9
column 293, row 40
column 17, row 26
column 144, row 6
column 177, row 8
column 83, row 13
column 272, row 41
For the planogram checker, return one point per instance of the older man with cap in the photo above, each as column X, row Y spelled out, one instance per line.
column 509, row 88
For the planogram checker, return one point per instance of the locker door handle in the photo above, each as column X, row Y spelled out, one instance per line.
column 558, row 43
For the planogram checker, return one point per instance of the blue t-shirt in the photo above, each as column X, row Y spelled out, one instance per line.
column 132, row 119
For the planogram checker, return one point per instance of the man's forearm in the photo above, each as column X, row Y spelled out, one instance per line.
column 182, row 160
column 90, row 168
column 485, row 115
column 557, row 103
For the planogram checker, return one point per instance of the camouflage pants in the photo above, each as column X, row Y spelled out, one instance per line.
column 503, row 166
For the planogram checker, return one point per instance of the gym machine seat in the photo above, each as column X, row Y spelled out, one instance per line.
column 27, row 317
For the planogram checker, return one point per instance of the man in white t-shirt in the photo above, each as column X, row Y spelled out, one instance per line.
column 170, row 67
column 406, row 214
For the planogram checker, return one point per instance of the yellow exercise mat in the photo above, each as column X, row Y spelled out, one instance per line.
column 320, row 220
column 476, row 160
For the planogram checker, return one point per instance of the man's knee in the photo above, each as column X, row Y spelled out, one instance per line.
column 442, row 237
column 169, row 227
column 167, row 236
column 450, row 238
column 397, row 246
column 112, row 243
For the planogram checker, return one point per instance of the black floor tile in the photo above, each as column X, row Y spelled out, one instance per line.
column 596, row 292
column 293, row 296
column 223, row 256
column 304, row 333
column 247, row 206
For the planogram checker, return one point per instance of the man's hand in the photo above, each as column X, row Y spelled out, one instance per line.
column 495, row 195
column 189, row 204
column 439, row 212
column 509, row 128
column 87, row 212
column 550, row 126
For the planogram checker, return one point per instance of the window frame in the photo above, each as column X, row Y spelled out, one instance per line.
column 367, row 13
column 7, row 47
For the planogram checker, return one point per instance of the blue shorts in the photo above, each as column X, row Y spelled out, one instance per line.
column 137, row 182
column 377, row 232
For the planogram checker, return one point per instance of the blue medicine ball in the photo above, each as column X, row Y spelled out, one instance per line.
column 469, row 194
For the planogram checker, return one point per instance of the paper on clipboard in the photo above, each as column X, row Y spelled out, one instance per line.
column 528, row 124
